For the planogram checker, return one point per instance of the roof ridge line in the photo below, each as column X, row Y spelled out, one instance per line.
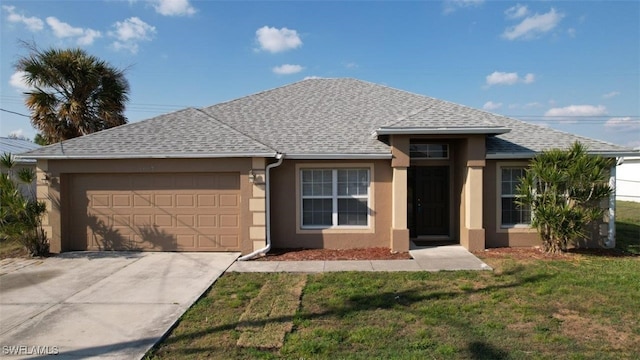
column 213, row 118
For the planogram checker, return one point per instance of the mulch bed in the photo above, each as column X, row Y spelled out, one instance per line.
column 328, row 254
column 381, row 253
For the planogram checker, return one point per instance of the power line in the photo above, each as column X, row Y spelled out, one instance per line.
column 13, row 112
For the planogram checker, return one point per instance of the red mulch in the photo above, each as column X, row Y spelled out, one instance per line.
column 386, row 254
column 328, row 254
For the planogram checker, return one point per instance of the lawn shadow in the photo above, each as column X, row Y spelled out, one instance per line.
column 481, row 350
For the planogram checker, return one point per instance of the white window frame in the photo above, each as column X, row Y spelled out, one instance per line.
column 337, row 229
column 507, row 227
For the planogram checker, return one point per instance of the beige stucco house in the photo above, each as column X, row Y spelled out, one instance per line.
column 321, row 163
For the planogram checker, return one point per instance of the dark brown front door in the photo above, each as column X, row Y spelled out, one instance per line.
column 430, row 201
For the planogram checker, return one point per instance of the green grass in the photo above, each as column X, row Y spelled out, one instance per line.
column 582, row 307
column 628, row 226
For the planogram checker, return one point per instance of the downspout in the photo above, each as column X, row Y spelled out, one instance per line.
column 610, row 243
column 264, row 250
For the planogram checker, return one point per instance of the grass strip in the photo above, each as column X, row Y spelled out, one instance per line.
column 269, row 316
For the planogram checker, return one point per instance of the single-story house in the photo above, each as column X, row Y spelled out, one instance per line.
column 628, row 179
column 320, row 163
column 15, row 146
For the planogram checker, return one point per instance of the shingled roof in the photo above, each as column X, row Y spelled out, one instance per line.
column 314, row 118
column 188, row 133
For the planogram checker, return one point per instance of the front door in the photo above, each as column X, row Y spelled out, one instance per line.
column 430, row 201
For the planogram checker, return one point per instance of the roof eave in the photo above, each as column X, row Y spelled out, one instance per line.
column 531, row 154
column 151, row 156
column 338, row 156
column 443, row 131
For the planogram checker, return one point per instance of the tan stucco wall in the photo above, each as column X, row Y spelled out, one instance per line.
column 56, row 194
column 285, row 232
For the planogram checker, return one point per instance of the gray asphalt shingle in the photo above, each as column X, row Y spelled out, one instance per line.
column 328, row 117
column 184, row 133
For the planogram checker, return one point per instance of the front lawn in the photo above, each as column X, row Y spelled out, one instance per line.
column 583, row 307
column 628, row 226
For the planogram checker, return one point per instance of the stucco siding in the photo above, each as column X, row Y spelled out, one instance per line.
column 285, row 228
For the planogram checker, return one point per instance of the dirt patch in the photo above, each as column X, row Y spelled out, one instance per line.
column 586, row 330
column 329, row 254
column 269, row 316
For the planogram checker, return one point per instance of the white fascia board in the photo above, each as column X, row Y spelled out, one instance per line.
column 150, row 156
column 614, row 153
column 508, row 156
column 530, row 155
column 303, row 156
column 443, row 131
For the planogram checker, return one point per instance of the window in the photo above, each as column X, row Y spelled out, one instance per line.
column 511, row 214
column 428, row 151
column 334, row 197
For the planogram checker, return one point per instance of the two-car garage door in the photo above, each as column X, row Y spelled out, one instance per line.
column 161, row 212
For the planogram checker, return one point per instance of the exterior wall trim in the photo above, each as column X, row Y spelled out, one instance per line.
column 148, row 156
column 320, row 156
column 445, row 131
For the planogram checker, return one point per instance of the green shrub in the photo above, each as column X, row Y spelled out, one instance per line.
column 21, row 217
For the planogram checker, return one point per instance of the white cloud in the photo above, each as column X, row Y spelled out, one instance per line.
column 351, row 65
column 129, row 32
column 571, row 32
column 611, row 94
column 287, row 69
column 89, row 36
column 17, row 81
column 277, row 40
column 531, row 105
column 516, row 12
column 311, row 77
column 490, row 105
column 18, row 134
column 502, row 78
column 529, row 78
column 453, row 5
column 64, row 30
column 173, row 7
column 623, row 124
column 505, row 78
column 534, row 26
column 32, row 23
column 576, row 111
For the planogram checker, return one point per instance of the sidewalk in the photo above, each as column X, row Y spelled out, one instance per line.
column 450, row 257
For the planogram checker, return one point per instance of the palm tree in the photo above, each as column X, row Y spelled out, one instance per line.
column 563, row 189
column 73, row 93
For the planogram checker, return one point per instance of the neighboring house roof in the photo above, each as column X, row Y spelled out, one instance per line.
column 17, row 146
column 314, row 118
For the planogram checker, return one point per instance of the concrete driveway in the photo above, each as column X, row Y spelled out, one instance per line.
column 100, row 304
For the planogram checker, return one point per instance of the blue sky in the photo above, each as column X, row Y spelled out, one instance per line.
column 570, row 65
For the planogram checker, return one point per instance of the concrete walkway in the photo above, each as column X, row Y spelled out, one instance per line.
column 113, row 305
column 450, row 257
